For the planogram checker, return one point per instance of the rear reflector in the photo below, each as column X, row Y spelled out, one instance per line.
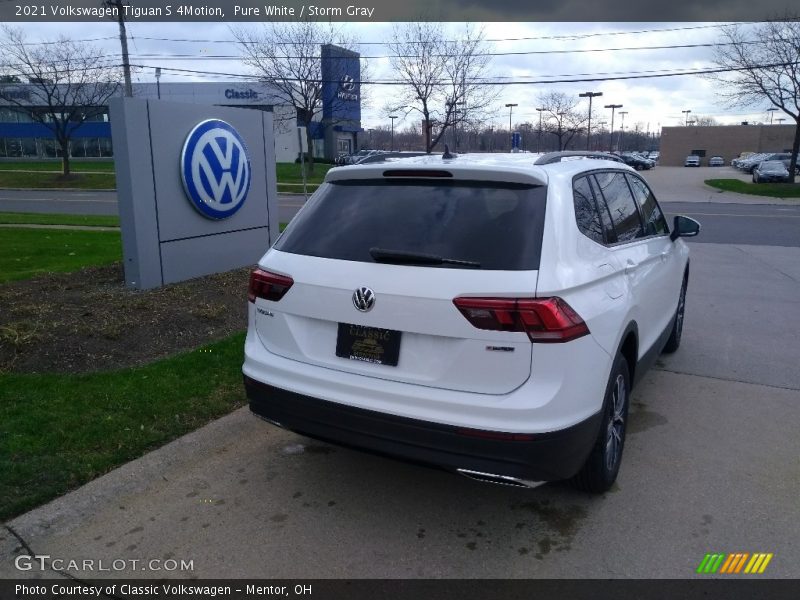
column 269, row 286
column 545, row 320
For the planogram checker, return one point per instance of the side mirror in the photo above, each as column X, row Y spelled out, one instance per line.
column 684, row 227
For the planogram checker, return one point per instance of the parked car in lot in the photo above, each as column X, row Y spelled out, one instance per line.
column 742, row 155
column 716, row 161
column 384, row 156
column 654, row 155
column 637, row 161
column 483, row 314
column 770, row 170
column 750, row 163
column 350, row 159
column 692, row 161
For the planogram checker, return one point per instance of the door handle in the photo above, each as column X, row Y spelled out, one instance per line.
column 630, row 267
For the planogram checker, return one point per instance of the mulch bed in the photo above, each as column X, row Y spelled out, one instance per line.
column 89, row 321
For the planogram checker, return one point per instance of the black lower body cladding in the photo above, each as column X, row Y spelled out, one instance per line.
column 549, row 456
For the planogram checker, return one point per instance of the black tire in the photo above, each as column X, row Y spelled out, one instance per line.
column 600, row 470
column 674, row 341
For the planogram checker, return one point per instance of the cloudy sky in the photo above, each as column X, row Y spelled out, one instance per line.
column 651, row 103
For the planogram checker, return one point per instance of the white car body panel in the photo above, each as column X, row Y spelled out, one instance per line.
column 438, row 348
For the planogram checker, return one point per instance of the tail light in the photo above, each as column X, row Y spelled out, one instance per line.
column 269, row 286
column 545, row 320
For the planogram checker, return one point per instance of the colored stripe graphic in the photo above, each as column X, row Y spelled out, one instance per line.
column 702, row 567
column 729, row 563
column 741, row 563
column 759, row 563
column 711, row 563
column 734, row 563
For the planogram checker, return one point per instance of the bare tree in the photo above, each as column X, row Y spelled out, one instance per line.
column 443, row 79
column 68, row 83
column 707, row 121
column 763, row 64
column 563, row 118
column 286, row 57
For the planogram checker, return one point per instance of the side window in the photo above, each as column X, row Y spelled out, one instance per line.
column 654, row 221
column 621, row 205
column 586, row 210
column 605, row 216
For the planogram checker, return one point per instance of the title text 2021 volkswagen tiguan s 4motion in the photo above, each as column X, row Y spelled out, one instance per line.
column 484, row 314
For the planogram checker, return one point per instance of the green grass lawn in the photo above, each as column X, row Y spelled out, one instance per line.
column 774, row 190
column 28, row 252
column 55, row 165
column 55, row 219
column 297, row 189
column 290, row 173
column 86, row 181
column 58, row 431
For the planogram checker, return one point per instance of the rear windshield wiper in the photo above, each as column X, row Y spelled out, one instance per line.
column 401, row 257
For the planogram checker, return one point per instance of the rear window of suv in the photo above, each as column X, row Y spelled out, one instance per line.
column 498, row 225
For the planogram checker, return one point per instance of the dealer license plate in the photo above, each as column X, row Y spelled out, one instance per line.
column 368, row 344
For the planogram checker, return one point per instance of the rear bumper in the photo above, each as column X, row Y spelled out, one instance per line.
column 537, row 457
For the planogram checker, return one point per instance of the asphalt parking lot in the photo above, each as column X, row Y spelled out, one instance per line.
column 712, row 464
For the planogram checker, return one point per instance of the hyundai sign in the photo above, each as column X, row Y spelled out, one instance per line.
column 215, row 169
column 341, row 75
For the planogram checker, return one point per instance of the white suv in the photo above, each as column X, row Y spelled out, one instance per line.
column 486, row 314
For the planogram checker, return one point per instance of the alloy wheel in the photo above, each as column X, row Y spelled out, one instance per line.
column 616, row 424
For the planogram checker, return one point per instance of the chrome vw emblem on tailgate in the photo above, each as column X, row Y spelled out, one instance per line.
column 364, row 299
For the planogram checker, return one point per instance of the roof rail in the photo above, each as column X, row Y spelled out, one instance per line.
column 554, row 157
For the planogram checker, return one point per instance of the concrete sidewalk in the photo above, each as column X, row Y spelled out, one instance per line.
column 710, row 465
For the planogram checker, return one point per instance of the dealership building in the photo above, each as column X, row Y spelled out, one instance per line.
column 727, row 141
column 337, row 132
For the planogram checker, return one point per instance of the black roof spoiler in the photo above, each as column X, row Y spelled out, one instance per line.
column 554, row 157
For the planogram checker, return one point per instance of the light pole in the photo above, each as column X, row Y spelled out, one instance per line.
column 780, row 121
column 539, row 137
column 686, row 117
column 589, row 95
column 392, row 117
column 771, row 112
column 601, row 125
column 123, row 38
column 621, row 129
column 510, row 108
column 158, row 81
column 613, row 107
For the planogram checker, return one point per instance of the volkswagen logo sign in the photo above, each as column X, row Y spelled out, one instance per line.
column 215, row 168
column 364, row 299
column 348, row 84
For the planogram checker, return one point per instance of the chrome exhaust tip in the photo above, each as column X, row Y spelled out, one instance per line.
column 499, row 479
